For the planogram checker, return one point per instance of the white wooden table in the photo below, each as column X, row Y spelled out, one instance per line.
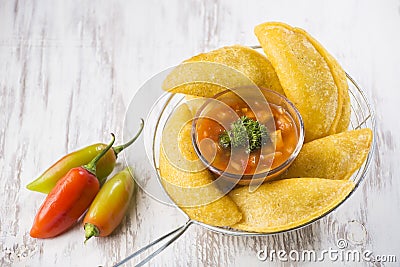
column 68, row 70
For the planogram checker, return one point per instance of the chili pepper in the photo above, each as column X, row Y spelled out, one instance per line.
column 45, row 182
column 110, row 205
column 68, row 200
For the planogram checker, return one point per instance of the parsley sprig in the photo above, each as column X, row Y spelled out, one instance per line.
column 246, row 133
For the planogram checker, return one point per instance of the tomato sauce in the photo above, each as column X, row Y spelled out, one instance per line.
column 281, row 128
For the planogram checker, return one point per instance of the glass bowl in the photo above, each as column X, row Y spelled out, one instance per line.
column 257, row 102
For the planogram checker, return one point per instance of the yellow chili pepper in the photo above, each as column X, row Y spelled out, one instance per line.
column 110, row 205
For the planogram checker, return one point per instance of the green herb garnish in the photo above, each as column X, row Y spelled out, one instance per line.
column 244, row 132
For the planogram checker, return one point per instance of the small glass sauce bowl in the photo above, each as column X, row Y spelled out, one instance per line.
column 238, row 165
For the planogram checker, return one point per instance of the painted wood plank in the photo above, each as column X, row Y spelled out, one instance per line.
column 68, row 70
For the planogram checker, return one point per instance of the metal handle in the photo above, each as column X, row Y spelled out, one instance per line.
column 175, row 235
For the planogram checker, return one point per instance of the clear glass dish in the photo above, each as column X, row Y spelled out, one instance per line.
column 268, row 96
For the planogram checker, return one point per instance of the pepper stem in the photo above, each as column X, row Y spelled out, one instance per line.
column 91, row 166
column 90, row 231
column 118, row 149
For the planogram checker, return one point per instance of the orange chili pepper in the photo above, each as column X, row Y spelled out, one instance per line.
column 68, row 200
column 110, row 205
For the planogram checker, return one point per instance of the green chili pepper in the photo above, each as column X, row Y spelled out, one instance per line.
column 110, row 205
column 45, row 182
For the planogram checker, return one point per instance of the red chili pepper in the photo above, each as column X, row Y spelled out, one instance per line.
column 68, row 200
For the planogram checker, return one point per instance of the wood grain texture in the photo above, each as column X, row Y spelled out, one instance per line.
column 68, row 70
